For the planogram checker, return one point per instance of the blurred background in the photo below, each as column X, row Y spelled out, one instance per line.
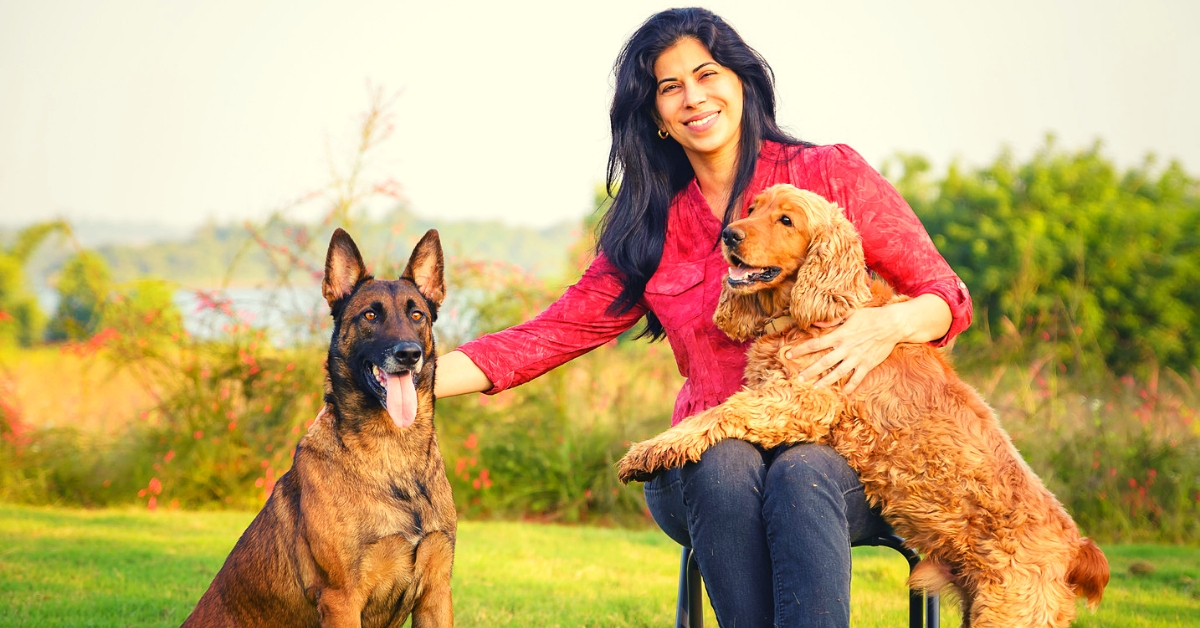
column 170, row 174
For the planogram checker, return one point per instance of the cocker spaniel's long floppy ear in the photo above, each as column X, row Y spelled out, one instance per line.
column 740, row 316
column 832, row 282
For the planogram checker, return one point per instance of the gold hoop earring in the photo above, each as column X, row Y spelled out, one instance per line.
column 662, row 134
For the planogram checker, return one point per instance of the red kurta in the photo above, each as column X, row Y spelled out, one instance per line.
column 683, row 293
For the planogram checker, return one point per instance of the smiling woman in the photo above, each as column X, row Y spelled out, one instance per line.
column 694, row 139
column 699, row 104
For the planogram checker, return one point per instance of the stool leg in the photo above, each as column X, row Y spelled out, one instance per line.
column 916, row 609
column 933, row 612
column 689, row 612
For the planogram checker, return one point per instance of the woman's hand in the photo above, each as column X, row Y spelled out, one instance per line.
column 867, row 337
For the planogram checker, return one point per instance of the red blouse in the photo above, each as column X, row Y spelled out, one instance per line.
column 683, row 292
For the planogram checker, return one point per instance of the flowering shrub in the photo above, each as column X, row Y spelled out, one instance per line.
column 233, row 411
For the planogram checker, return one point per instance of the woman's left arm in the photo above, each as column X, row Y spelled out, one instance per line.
column 899, row 250
column 868, row 336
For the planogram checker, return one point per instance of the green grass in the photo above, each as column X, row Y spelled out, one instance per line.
column 61, row 567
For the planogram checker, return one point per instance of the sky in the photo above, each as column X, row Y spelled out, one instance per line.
column 178, row 113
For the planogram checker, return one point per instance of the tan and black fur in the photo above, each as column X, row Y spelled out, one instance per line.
column 361, row 530
column 929, row 451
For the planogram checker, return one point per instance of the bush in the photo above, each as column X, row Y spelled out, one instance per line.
column 1067, row 251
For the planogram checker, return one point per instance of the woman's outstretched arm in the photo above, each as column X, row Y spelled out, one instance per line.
column 458, row 375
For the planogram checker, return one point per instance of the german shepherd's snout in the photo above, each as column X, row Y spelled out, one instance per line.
column 361, row 530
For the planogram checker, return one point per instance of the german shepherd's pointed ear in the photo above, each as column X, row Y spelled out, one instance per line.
column 344, row 268
column 832, row 282
column 425, row 268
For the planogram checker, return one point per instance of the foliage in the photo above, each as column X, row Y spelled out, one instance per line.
column 21, row 320
column 83, row 286
column 225, row 433
column 1068, row 251
column 548, row 449
column 1125, row 461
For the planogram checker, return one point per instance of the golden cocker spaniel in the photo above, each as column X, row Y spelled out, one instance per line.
column 929, row 451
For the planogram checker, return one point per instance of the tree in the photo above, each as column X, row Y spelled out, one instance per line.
column 21, row 320
column 1072, row 254
column 83, row 287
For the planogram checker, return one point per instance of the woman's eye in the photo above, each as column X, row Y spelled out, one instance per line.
column 369, row 315
column 416, row 316
column 787, row 222
column 668, row 88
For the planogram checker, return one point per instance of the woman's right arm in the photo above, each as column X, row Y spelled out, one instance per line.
column 574, row 324
column 458, row 375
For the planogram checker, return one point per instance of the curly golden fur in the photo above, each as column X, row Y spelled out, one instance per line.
column 928, row 449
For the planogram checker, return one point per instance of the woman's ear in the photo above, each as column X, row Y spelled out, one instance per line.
column 832, row 282
column 740, row 316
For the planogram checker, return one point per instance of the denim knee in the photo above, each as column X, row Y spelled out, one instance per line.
column 820, row 478
column 726, row 474
column 809, row 464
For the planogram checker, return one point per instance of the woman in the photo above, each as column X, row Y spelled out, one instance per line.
column 694, row 139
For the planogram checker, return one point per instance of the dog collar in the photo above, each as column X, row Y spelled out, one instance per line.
column 778, row 325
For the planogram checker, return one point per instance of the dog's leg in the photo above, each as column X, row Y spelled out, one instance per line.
column 339, row 608
column 435, row 557
column 776, row 413
column 1021, row 601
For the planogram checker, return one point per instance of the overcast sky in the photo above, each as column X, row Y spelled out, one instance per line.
column 178, row 112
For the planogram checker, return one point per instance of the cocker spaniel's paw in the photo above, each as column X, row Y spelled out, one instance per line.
column 649, row 458
column 638, row 465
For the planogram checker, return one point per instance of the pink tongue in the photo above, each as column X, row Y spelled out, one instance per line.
column 401, row 399
column 738, row 272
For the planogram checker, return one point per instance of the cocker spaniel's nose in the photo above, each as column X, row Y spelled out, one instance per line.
column 732, row 237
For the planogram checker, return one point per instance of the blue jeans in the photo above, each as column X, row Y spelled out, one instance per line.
column 771, row 530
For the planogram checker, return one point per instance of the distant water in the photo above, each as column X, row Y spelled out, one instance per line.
column 291, row 314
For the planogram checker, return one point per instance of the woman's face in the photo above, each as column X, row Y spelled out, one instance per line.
column 699, row 101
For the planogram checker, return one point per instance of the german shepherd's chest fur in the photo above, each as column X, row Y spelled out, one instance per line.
column 361, row 531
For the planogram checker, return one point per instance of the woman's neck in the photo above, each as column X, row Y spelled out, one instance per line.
column 715, row 175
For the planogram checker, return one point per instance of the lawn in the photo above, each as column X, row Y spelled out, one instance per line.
column 61, row 567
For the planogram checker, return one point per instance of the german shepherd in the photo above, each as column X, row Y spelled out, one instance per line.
column 361, row 530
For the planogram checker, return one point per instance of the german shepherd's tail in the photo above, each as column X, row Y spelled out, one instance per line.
column 1089, row 572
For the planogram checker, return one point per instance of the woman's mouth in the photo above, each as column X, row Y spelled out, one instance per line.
column 701, row 124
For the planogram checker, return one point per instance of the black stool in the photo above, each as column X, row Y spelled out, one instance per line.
column 922, row 611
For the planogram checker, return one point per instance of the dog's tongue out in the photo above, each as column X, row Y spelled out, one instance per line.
column 401, row 398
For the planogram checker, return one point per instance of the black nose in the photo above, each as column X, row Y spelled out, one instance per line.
column 408, row 353
column 731, row 237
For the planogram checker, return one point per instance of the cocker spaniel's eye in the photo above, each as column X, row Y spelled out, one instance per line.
column 787, row 221
column 750, row 210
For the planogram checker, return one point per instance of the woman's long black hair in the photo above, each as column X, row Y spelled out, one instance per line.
column 650, row 170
